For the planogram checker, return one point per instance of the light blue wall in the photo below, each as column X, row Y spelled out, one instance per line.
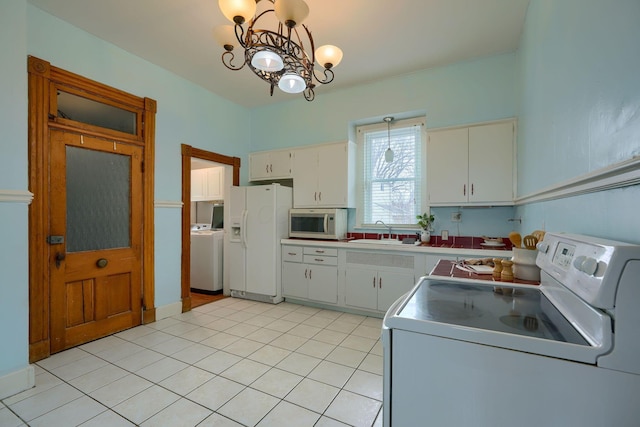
column 14, row 292
column 468, row 92
column 573, row 85
column 579, row 91
column 186, row 114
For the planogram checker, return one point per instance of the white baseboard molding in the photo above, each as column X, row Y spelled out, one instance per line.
column 17, row 381
column 168, row 310
column 622, row 174
column 16, row 196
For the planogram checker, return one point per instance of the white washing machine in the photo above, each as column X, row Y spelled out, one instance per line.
column 206, row 260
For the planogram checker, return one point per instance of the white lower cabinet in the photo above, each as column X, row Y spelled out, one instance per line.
column 310, row 273
column 375, row 290
column 375, row 280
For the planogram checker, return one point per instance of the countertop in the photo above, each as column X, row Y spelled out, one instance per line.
column 448, row 269
column 424, row 249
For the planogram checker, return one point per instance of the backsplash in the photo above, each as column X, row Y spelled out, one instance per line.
column 464, row 242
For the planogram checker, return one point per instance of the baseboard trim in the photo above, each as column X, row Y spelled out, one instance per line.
column 168, row 310
column 15, row 382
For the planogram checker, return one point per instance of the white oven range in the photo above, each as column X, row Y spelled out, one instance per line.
column 566, row 353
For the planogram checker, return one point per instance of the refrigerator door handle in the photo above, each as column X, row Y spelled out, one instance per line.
column 243, row 230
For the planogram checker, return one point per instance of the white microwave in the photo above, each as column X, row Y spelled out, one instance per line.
column 329, row 224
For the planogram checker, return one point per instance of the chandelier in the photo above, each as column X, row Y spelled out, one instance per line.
column 278, row 56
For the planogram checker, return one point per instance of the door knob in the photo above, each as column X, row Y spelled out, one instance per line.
column 59, row 258
column 102, row 263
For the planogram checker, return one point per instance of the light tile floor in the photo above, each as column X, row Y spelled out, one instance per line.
column 229, row 363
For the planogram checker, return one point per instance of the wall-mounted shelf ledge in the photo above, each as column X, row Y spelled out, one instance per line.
column 622, row 174
column 16, row 196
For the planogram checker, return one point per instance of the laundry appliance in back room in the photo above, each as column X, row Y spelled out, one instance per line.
column 206, row 258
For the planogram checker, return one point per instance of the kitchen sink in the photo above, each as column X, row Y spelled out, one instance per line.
column 378, row 241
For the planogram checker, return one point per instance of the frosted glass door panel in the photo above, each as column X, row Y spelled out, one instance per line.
column 98, row 200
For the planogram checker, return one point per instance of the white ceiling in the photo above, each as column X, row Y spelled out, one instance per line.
column 379, row 38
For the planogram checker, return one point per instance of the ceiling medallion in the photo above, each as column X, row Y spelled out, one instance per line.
column 278, row 56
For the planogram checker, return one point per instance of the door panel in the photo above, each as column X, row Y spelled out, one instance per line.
column 96, row 207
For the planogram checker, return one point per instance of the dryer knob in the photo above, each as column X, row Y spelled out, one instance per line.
column 577, row 263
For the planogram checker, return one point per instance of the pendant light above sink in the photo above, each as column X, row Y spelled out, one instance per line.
column 388, row 155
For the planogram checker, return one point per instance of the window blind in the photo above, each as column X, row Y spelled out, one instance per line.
column 391, row 191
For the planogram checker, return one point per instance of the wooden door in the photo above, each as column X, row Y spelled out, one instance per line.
column 95, row 246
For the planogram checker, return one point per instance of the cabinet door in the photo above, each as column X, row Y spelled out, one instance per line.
column 392, row 286
column 214, row 183
column 259, row 164
column 305, row 178
column 361, row 288
column 295, row 280
column 198, row 184
column 491, row 163
column 447, row 166
column 280, row 164
column 332, row 175
column 323, row 283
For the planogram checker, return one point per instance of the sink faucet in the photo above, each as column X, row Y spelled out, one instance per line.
column 388, row 226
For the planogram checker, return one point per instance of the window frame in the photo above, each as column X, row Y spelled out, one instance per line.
column 360, row 131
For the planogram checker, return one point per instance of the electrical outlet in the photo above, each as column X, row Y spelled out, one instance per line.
column 444, row 234
column 456, row 216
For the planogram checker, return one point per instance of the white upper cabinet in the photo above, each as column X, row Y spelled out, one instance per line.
column 323, row 176
column 207, row 184
column 268, row 165
column 471, row 165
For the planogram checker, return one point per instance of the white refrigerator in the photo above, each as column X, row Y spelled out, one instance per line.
column 258, row 221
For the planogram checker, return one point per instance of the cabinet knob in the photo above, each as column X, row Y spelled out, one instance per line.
column 380, row 282
column 374, row 283
column 318, row 259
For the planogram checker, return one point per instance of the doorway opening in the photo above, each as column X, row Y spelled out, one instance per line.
column 204, row 205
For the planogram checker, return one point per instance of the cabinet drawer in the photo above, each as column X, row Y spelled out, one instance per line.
column 320, row 259
column 321, row 251
column 292, row 253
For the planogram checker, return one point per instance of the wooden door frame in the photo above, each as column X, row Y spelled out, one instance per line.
column 189, row 152
column 43, row 80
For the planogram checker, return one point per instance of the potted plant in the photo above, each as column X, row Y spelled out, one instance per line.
column 424, row 221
